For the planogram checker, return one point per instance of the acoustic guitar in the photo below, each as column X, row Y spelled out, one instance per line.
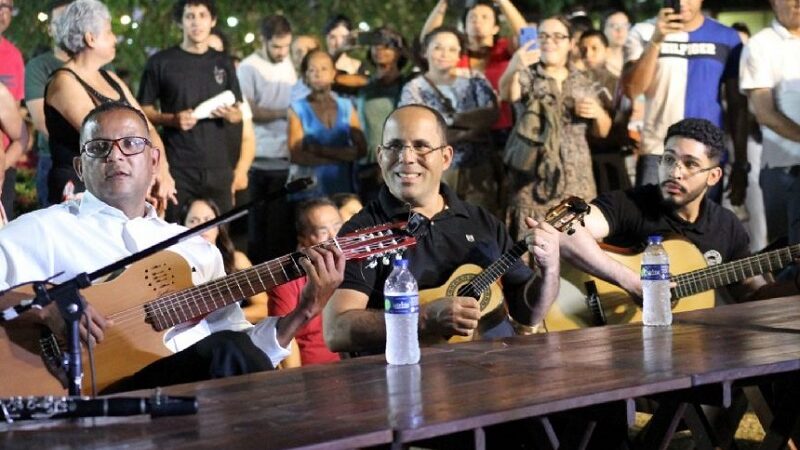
column 470, row 280
column 146, row 301
column 585, row 300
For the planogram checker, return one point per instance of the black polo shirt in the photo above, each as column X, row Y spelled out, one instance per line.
column 636, row 213
column 461, row 234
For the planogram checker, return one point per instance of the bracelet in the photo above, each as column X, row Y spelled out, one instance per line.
column 521, row 329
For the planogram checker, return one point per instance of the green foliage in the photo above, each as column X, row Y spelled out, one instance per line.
column 155, row 29
column 25, row 187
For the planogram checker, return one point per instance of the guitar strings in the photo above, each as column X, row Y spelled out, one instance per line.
column 184, row 297
column 178, row 302
column 131, row 318
column 699, row 279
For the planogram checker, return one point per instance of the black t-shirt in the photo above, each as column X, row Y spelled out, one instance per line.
column 637, row 213
column 461, row 234
column 177, row 80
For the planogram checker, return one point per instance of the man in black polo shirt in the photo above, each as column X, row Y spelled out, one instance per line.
column 449, row 233
column 677, row 206
column 175, row 81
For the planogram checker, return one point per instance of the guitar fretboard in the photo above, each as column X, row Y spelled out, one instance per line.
column 183, row 306
column 482, row 281
column 712, row 277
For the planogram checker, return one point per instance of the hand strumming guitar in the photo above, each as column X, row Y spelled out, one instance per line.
column 449, row 316
column 52, row 318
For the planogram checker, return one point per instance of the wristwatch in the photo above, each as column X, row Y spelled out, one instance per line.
column 521, row 329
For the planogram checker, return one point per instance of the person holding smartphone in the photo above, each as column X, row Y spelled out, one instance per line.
column 679, row 60
column 487, row 53
column 542, row 83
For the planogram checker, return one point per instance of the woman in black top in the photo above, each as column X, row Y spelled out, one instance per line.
column 84, row 32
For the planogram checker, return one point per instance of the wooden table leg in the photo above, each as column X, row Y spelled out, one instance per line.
column 661, row 428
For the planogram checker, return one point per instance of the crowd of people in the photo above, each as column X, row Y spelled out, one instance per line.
column 477, row 130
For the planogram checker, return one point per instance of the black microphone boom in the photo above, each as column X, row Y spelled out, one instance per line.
column 48, row 407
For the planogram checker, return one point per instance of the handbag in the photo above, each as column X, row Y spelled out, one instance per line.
column 534, row 148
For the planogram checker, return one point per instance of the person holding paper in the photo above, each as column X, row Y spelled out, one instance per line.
column 176, row 81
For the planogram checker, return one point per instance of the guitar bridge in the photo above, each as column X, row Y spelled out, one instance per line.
column 52, row 357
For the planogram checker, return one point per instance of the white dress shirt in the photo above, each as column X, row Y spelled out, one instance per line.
column 86, row 234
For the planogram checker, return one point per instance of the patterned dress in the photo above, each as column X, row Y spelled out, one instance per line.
column 575, row 155
column 474, row 173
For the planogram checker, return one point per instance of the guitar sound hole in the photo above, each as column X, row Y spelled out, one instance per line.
column 468, row 291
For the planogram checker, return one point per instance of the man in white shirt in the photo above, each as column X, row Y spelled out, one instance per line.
column 112, row 220
column 267, row 78
column 770, row 77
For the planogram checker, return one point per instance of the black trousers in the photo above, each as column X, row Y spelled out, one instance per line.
column 271, row 231
column 223, row 354
column 201, row 183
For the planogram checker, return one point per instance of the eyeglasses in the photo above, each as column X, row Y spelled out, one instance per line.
column 419, row 149
column 618, row 26
column 555, row 37
column 689, row 167
column 128, row 145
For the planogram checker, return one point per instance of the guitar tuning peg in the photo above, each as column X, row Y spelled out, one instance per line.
column 372, row 263
column 570, row 231
column 386, row 261
column 583, row 224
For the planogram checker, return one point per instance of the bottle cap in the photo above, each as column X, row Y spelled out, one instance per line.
column 654, row 239
column 401, row 262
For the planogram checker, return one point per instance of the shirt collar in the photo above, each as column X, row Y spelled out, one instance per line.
column 89, row 205
column 782, row 31
column 699, row 225
column 394, row 208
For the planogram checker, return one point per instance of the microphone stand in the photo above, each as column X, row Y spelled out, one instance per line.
column 71, row 304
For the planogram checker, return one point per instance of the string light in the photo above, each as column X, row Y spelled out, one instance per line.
column 232, row 21
column 249, row 38
column 42, row 17
column 125, row 19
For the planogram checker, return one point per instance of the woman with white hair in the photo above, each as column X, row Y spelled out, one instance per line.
column 84, row 32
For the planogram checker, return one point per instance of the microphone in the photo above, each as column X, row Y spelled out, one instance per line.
column 49, row 407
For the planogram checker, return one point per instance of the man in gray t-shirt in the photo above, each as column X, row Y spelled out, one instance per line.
column 266, row 78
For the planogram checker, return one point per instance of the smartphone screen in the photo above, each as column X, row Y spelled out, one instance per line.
column 528, row 34
column 674, row 4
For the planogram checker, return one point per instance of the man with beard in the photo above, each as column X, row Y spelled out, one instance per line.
column 677, row 206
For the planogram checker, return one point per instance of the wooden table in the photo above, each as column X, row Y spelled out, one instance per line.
column 363, row 402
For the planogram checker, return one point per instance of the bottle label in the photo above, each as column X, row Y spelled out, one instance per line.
column 655, row 272
column 401, row 304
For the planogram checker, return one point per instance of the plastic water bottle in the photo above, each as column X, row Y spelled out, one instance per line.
column 401, row 301
column 655, row 284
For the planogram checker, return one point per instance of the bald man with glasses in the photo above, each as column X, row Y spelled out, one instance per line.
column 449, row 232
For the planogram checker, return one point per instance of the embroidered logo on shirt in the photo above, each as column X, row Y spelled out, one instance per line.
column 219, row 75
column 712, row 257
column 470, row 238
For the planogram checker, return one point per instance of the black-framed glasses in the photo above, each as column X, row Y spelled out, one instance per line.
column 555, row 37
column 689, row 167
column 419, row 149
column 128, row 145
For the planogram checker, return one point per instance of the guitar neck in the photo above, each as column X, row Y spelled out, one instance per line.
column 481, row 282
column 185, row 305
column 712, row 277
